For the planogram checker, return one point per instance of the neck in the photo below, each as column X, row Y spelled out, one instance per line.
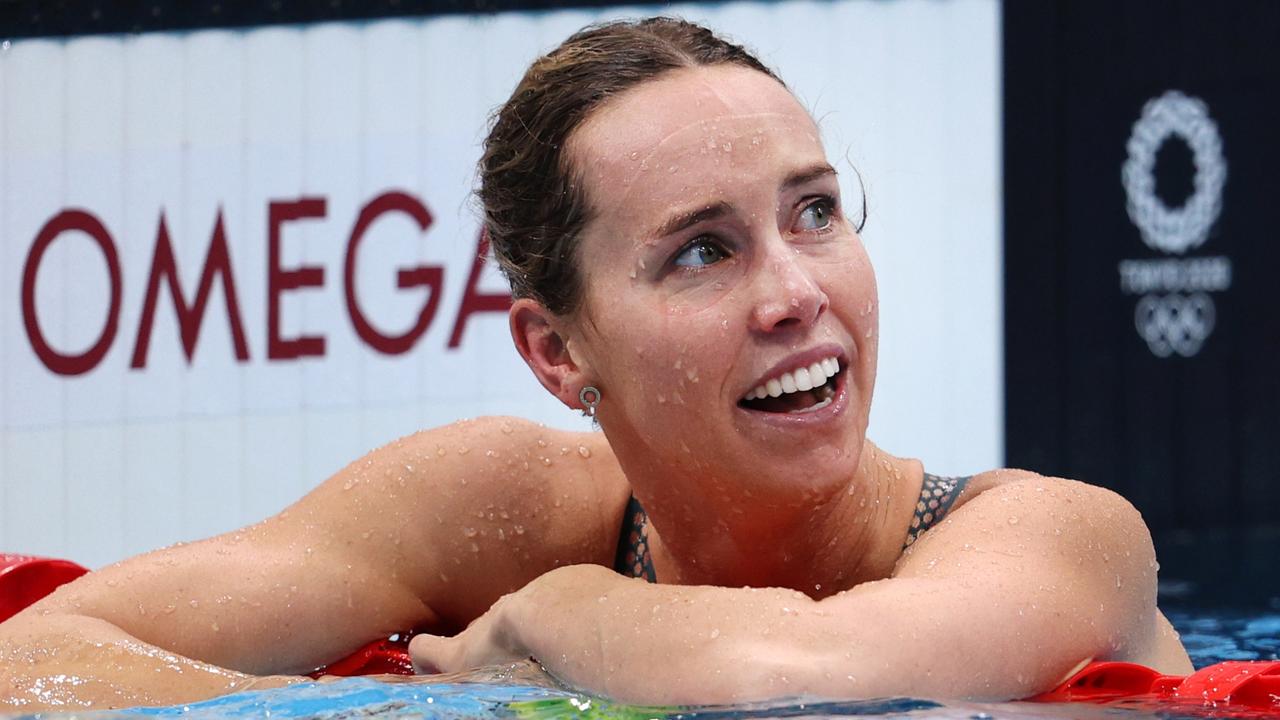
column 818, row 546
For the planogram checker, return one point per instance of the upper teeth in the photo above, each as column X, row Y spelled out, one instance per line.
column 805, row 378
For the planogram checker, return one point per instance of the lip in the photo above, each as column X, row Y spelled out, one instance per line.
column 799, row 360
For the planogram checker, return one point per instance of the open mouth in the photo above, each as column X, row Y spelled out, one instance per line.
column 802, row 390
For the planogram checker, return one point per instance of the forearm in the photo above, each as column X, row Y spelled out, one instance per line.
column 663, row 644
column 68, row 662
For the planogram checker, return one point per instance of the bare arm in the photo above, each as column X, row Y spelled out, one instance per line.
column 424, row 533
column 69, row 662
column 1019, row 587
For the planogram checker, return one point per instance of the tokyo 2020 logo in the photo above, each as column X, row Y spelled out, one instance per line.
column 1175, row 313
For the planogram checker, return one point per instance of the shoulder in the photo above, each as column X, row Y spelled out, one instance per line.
column 469, row 511
column 1046, row 535
column 1086, row 532
column 1012, row 485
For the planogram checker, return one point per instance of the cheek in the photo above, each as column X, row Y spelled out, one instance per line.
column 661, row 358
column 851, row 287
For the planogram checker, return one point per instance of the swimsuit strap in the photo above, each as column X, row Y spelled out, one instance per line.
column 937, row 495
column 632, row 558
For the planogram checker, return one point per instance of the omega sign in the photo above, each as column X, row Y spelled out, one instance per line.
column 163, row 275
column 1175, row 312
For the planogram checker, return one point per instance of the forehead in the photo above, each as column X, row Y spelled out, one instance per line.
column 692, row 116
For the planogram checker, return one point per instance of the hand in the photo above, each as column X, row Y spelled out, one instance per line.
column 579, row 622
column 491, row 639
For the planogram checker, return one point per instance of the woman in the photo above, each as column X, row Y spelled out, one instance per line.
column 686, row 274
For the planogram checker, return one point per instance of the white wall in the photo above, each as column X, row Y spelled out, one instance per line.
column 115, row 461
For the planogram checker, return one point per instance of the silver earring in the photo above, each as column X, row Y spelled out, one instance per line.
column 589, row 396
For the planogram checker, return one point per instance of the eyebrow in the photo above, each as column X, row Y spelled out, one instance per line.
column 686, row 220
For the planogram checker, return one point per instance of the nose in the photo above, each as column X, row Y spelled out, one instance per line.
column 786, row 292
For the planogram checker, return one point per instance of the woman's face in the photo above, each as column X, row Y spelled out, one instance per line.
column 718, row 263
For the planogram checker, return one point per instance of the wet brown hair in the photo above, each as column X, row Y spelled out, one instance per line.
column 533, row 201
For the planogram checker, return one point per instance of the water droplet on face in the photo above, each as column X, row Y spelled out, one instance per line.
column 464, row 450
column 715, row 633
column 440, row 451
column 490, row 453
column 1013, row 520
column 194, row 603
column 214, row 627
column 546, row 461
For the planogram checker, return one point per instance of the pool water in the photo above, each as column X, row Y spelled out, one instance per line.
column 523, row 692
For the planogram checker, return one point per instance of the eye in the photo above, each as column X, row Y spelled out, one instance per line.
column 703, row 251
column 818, row 215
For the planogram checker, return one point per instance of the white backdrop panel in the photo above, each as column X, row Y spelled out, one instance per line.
column 309, row 125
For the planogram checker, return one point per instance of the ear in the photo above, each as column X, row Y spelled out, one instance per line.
column 539, row 335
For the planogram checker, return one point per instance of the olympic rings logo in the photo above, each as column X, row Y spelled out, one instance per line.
column 1175, row 323
column 1174, row 230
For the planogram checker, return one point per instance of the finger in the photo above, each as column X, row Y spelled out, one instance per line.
column 433, row 654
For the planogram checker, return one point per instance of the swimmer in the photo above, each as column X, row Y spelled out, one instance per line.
column 685, row 271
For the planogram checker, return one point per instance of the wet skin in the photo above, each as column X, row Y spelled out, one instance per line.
column 679, row 324
column 1027, row 578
